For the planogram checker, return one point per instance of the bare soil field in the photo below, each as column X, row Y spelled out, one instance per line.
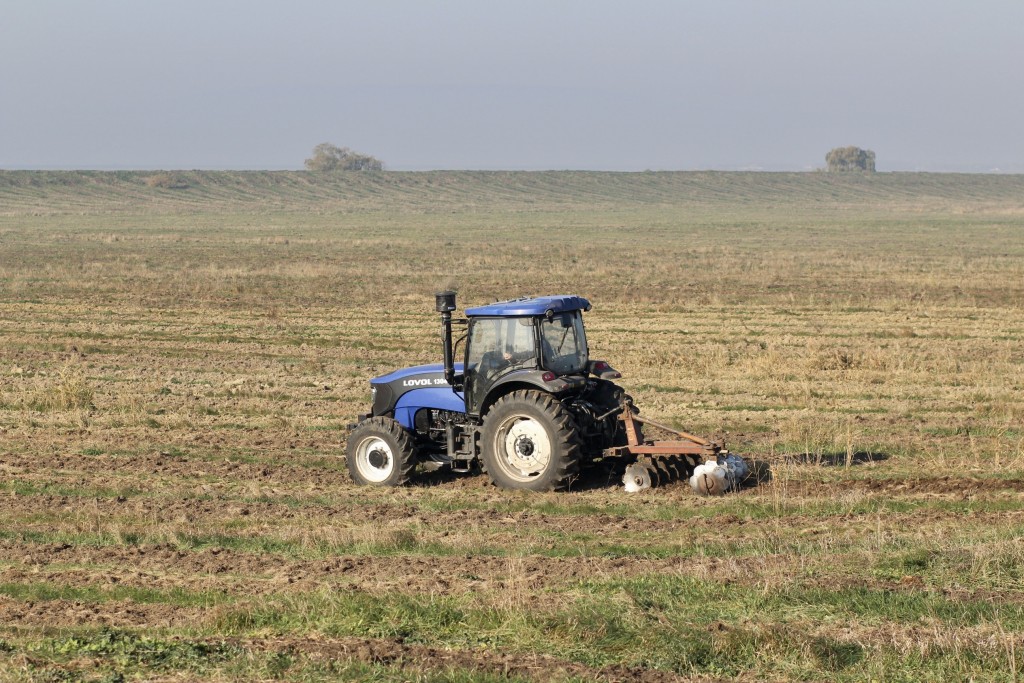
column 178, row 367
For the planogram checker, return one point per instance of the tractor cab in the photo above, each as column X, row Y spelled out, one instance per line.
column 538, row 343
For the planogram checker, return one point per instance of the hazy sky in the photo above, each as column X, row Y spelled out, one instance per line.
column 520, row 84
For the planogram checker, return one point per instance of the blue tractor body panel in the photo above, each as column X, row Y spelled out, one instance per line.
column 438, row 398
column 538, row 306
column 409, row 390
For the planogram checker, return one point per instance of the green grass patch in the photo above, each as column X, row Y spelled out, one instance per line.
column 116, row 655
column 31, row 488
column 677, row 624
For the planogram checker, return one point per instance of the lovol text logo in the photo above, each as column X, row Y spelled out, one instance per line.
column 424, row 382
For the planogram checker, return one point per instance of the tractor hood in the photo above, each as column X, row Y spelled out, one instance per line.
column 415, row 372
column 389, row 389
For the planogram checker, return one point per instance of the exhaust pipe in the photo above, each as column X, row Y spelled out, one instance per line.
column 444, row 303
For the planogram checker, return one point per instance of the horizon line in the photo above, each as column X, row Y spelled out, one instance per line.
column 116, row 168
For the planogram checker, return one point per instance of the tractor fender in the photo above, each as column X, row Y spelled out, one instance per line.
column 529, row 379
column 438, row 398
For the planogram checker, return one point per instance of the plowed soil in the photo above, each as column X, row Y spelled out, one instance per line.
column 179, row 368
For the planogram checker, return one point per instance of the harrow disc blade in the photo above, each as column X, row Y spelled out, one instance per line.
column 672, row 466
column 638, row 478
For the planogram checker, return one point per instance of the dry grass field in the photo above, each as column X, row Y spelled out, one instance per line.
column 179, row 361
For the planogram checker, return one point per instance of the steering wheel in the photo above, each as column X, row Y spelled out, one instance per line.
column 492, row 361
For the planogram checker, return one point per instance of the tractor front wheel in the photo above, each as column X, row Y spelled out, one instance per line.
column 530, row 441
column 380, row 451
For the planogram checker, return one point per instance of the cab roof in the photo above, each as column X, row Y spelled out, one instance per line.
column 558, row 303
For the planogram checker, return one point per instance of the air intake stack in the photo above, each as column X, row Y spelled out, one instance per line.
column 445, row 303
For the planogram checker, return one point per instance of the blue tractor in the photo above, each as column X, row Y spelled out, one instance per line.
column 527, row 405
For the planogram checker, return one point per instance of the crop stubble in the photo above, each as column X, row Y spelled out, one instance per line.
column 177, row 368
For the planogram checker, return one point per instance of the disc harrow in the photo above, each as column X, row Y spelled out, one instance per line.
column 707, row 464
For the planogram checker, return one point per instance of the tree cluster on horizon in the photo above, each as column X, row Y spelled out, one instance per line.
column 850, row 159
column 329, row 157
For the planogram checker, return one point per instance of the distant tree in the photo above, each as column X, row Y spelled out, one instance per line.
column 851, row 159
column 328, row 157
column 167, row 181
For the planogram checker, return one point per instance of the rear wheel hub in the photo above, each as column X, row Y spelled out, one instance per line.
column 524, row 446
column 527, row 447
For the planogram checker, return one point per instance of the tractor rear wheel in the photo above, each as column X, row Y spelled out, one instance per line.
column 530, row 441
column 380, row 451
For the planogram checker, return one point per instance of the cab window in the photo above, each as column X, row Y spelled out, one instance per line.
column 563, row 343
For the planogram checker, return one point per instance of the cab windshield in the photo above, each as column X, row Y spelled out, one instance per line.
column 497, row 345
column 563, row 343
